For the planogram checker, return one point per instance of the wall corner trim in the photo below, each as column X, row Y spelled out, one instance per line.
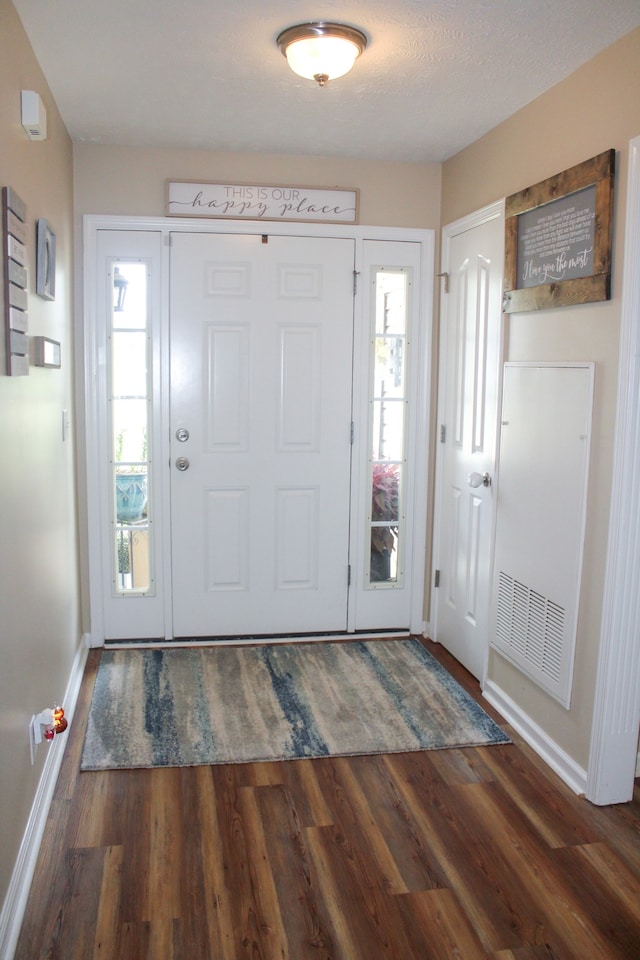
column 558, row 759
column 616, row 712
column 18, row 892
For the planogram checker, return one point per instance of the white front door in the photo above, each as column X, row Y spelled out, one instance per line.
column 261, row 344
column 470, row 358
column 292, row 394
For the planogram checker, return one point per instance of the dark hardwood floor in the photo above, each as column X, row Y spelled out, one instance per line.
column 472, row 854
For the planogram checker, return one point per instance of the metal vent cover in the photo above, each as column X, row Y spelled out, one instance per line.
column 530, row 628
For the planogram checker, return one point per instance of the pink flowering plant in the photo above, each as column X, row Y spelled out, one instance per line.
column 385, row 505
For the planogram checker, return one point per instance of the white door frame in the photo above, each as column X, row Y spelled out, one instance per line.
column 450, row 230
column 86, row 380
column 616, row 713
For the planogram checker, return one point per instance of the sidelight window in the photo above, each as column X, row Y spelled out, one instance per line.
column 129, row 400
column 388, row 417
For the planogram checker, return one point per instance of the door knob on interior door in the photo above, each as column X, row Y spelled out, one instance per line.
column 479, row 479
column 182, row 463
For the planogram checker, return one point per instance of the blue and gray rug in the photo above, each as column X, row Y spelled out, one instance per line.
column 204, row 705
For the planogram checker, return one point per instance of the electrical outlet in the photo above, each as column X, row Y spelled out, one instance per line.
column 41, row 727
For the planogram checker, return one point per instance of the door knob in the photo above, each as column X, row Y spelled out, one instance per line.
column 182, row 434
column 479, row 479
column 182, row 463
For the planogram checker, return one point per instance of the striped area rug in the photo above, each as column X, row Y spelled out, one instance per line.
column 203, row 705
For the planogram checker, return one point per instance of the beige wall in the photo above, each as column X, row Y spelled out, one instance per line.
column 596, row 108
column 131, row 180
column 39, row 629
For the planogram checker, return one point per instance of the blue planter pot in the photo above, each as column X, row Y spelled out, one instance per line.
column 131, row 496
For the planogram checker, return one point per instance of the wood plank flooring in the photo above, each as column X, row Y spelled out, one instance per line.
column 476, row 854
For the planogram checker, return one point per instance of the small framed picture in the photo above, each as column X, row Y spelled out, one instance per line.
column 45, row 260
column 45, row 352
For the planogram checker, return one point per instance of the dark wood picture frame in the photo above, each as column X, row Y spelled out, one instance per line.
column 598, row 172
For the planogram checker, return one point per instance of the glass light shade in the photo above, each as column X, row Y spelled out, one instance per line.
column 329, row 57
column 321, row 51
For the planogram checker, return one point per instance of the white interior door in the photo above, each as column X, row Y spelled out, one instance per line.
column 261, row 345
column 470, row 356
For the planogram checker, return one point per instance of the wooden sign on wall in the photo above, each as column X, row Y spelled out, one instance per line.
column 261, row 201
column 558, row 237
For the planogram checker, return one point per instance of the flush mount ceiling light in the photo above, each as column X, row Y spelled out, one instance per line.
column 321, row 51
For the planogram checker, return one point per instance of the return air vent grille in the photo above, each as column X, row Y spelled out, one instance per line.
column 530, row 630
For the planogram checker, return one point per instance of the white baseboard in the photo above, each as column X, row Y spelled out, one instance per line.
column 552, row 754
column 90, row 641
column 20, row 884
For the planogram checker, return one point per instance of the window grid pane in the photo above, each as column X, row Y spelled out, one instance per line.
column 129, row 403
column 388, row 426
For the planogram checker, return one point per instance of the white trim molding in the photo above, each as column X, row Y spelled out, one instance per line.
column 20, row 883
column 616, row 714
column 560, row 762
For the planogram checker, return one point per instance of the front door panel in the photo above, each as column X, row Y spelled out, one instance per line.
column 261, row 354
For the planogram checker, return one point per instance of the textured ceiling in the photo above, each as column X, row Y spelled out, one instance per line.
column 436, row 75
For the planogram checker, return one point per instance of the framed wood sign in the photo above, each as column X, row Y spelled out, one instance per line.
column 558, row 236
column 261, row 201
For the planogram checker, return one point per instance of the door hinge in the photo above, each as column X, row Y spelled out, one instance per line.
column 443, row 433
column 356, row 274
column 446, row 280
column 436, row 578
column 352, row 434
column 349, row 575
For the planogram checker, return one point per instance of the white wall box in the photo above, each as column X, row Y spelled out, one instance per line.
column 542, row 488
